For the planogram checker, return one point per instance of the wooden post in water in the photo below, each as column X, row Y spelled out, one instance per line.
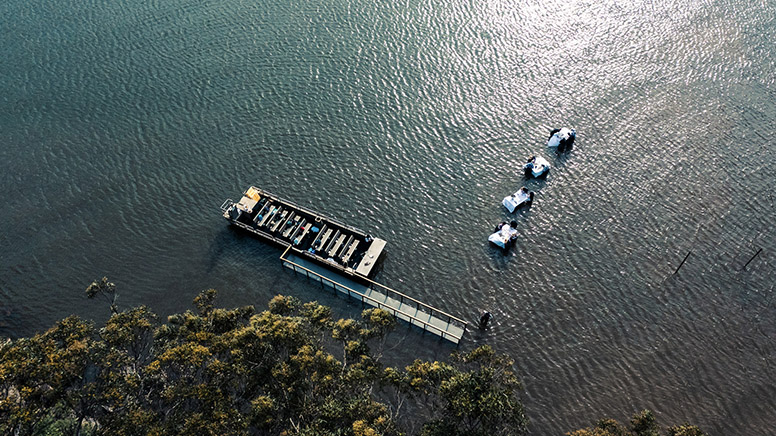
column 750, row 260
column 680, row 265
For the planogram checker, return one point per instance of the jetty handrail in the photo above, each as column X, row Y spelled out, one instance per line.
column 377, row 303
column 407, row 297
column 403, row 297
column 426, row 325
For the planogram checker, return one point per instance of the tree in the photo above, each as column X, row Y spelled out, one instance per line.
column 290, row 370
column 604, row 427
column 475, row 394
column 127, row 347
column 105, row 289
column 685, row 430
column 46, row 376
column 642, row 423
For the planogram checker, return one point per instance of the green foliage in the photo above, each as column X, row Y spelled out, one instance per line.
column 612, row 427
column 130, row 331
column 236, row 372
column 474, row 394
column 105, row 289
column 604, row 427
column 282, row 305
column 643, row 423
column 204, row 301
column 42, row 378
column 685, row 430
column 377, row 323
column 290, row 370
column 263, row 410
column 319, row 316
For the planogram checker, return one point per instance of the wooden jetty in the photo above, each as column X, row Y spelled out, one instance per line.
column 403, row 307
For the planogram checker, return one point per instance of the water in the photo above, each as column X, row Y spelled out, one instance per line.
column 125, row 124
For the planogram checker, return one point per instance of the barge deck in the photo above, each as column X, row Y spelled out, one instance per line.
column 323, row 240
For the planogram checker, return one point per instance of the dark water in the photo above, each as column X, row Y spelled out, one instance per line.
column 124, row 125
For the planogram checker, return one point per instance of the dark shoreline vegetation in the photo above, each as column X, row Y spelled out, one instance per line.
column 289, row 370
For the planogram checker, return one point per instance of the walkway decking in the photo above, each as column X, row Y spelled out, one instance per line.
column 374, row 294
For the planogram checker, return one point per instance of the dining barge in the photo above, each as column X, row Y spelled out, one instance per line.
column 320, row 239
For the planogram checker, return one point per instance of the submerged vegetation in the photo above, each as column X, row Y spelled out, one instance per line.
column 290, row 370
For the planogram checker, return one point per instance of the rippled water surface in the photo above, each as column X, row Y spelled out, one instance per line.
column 125, row 124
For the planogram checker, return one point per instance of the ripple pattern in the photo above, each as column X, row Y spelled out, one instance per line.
column 125, row 124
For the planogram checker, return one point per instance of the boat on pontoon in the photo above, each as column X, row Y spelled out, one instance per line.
column 504, row 235
column 562, row 139
column 522, row 197
column 537, row 167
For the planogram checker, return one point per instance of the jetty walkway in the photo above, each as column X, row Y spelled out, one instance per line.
column 403, row 307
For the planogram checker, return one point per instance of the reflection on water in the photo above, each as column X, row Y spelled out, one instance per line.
column 126, row 125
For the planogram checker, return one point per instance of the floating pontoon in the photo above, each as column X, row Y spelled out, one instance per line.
column 321, row 239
